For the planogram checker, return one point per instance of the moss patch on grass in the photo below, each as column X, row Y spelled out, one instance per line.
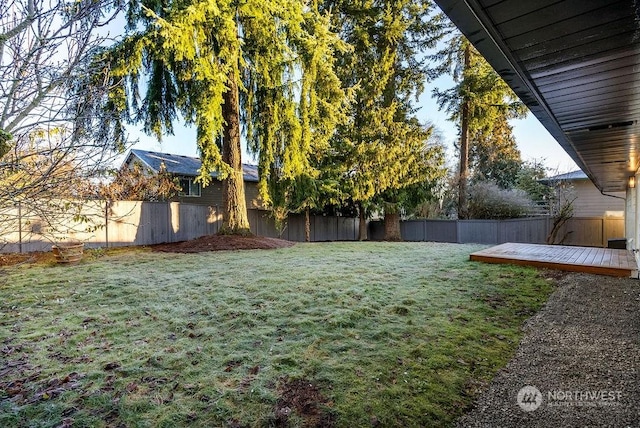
column 381, row 334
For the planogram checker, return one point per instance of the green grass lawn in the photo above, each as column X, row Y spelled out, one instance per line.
column 327, row 334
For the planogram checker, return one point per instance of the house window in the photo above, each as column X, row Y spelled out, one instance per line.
column 190, row 187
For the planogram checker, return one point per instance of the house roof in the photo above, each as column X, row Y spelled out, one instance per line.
column 181, row 165
column 573, row 175
column 575, row 64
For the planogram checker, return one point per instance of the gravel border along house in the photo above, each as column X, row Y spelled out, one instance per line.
column 581, row 352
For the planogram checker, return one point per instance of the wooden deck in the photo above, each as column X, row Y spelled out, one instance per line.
column 602, row 261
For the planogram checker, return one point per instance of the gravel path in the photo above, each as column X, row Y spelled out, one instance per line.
column 581, row 352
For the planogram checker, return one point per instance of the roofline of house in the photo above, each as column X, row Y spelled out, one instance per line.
column 132, row 152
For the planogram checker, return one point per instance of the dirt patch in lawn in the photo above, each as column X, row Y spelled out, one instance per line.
column 11, row 259
column 223, row 242
column 304, row 399
column 553, row 274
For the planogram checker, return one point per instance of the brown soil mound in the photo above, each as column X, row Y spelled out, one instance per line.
column 223, row 242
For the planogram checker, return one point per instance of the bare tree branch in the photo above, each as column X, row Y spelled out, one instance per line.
column 50, row 141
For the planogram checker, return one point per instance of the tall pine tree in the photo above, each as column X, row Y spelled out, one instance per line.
column 216, row 63
column 494, row 155
column 383, row 147
column 481, row 103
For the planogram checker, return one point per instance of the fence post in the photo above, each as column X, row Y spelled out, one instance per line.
column 106, row 223
column 255, row 222
column 424, row 230
column 354, row 228
column 20, row 227
column 548, row 230
column 170, row 232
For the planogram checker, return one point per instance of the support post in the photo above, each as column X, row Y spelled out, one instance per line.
column 20, row 227
column 106, row 223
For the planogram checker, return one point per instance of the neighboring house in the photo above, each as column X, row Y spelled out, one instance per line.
column 589, row 201
column 186, row 169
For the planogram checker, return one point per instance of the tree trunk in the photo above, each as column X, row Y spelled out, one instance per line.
column 392, row 226
column 463, row 205
column 307, row 226
column 234, row 206
column 362, row 227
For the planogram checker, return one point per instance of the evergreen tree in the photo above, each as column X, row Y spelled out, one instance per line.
column 494, row 155
column 481, row 103
column 382, row 147
column 426, row 173
column 211, row 61
column 529, row 179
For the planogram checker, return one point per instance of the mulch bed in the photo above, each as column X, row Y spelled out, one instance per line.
column 222, row 243
column 199, row 245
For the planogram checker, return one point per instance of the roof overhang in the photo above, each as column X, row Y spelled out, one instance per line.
column 576, row 65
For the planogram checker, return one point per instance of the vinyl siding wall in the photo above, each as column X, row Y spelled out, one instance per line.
column 591, row 203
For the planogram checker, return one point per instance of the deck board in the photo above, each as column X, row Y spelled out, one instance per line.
column 583, row 255
column 615, row 259
column 594, row 258
column 603, row 261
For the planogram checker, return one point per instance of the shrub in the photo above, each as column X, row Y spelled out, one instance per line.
column 488, row 201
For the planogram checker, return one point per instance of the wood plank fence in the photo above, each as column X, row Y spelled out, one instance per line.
column 121, row 223
column 592, row 231
column 582, row 231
